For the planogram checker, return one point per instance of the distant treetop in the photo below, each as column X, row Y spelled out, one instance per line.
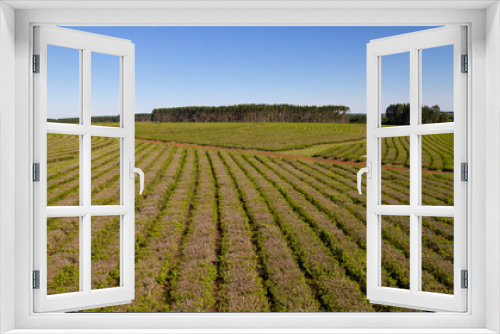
column 253, row 113
column 399, row 114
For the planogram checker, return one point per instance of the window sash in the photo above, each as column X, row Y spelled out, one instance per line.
column 85, row 298
column 414, row 297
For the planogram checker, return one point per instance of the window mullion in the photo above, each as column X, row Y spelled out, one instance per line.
column 86, row 174
column 85, row 149
column 415, row 184
column 417, row 168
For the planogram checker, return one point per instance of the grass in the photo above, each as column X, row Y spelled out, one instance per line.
column 437, row 151
column 193, row 289
column 241, row 283
column 256, row 136
column 285, row 293
column 346, row 142
column 231, row 231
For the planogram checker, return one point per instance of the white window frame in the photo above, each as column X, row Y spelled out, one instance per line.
column 16, row 124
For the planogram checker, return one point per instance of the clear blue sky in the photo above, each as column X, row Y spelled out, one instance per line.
column 184, row 66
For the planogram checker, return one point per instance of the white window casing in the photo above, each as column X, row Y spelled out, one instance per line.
column 483, row 311
column 7, row 166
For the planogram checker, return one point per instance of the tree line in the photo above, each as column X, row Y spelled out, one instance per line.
column 100, row 119
column 396, row 114
column 399, row 114
column 254, row 113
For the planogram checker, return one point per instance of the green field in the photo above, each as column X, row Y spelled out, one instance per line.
column 437, row 151
column 345, row 142
column 254, row 136
column 219, row 230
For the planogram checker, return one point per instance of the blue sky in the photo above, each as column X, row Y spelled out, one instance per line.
column 183, row 66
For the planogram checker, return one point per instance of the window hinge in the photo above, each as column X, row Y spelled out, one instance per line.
column 465, row 279
column 464, row 171
column 36, row 279
column 465, row 64
column 36, row 172
column 36, row 63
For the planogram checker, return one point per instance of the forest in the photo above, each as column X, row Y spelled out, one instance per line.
column 399, row 114
column 254, row 113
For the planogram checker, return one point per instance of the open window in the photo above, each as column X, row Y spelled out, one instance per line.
column 413, row 216
column 17, row 111
column 84, row 199
column 75, row 217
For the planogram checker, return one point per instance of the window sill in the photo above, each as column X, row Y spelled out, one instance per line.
column 250, row 331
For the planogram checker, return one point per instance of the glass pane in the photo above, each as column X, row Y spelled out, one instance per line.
column 63, row 169
column 395, row 255
column 395, row 89
column 63, row 255
column 105, row 252
column 437, row 254
column 437, row 169
column 437, row 84
column 105, row 109
column 63, row 84
column 105, row 171
column 395, row 171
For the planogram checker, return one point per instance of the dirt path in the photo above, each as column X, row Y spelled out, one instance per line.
column 273, row 154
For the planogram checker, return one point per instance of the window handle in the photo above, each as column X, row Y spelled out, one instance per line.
column 368, row 171
column 133, row 171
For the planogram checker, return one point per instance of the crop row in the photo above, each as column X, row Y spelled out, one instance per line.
column 437, row 152
column 234, row 232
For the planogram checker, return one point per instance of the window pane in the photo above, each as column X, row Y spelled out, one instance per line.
column 437, row 254
column 63, row 84
column 63, row 169
column 437, row 169
column 105, row 109
column 105, row 252
column 395, row 171
column 437, row 84
column 395, row 253
column 105, row 171
column 395, row 89
column 63, row 255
